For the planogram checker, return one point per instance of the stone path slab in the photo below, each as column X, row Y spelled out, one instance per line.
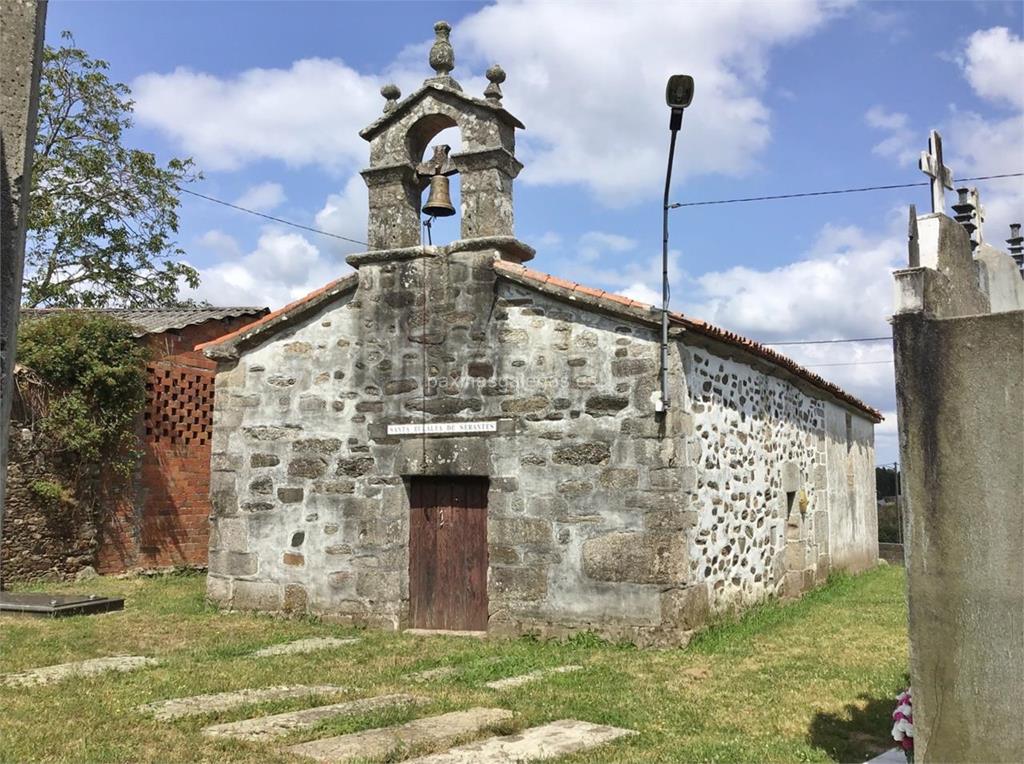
column 517, row 681
column 176, row 708
column 535, row 744
column 275, row 726
column 300, row 646
column 61, row 671
column 379, row 743
column 442, row 672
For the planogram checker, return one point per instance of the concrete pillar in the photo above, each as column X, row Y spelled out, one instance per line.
column 960, row 398
column 21, row 50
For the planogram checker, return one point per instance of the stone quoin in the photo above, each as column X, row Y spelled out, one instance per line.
column 352, row 477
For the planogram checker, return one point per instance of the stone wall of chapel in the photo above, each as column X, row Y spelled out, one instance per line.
column 599, row 517
column 759, row 441
column 587, row 513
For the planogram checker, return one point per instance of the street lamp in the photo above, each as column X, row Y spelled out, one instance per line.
column 678, row 95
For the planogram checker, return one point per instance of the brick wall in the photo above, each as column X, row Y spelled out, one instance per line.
column 165, row 521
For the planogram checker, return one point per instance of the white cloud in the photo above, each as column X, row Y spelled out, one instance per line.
column 344, row 214
column 901, row 141
column 262, row 197
column 840, row 289
column 220, row 243
column 548, row 241
column 992, row 61
column 887, row 439
column 594, row 244
column 283, row 267
column 994, row 65
column 308, row 114
column 586, row 78
column 642, row 293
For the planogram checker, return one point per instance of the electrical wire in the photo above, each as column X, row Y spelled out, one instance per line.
column 271, row 217
column 851, row 363
column 825, row 342
column 676, row 205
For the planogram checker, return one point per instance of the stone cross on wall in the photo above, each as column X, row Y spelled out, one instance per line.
column 932, row 166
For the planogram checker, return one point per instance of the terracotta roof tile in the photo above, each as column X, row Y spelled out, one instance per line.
column 589, row 291
column 618, row 298
column 555, row 281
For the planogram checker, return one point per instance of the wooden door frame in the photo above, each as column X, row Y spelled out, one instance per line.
column 484, row 486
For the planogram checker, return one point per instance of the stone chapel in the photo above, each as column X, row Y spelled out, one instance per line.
column 447, row 439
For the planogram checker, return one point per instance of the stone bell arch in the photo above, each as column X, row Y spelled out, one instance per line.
column 486, row 163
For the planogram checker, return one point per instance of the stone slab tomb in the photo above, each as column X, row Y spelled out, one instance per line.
column 548, row 741
column 373, row 744
column 197, row 705
column 263, row 728
column 76, row 670
column 447, row 440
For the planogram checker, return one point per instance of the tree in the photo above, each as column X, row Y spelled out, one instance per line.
column 103, row 217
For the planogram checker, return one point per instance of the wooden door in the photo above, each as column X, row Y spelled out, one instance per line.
column 448, row 553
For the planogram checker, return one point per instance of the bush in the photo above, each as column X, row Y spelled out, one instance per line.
column 51, row 492
column 94, row 373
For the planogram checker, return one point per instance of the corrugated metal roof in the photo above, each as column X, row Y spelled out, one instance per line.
column 153, row 320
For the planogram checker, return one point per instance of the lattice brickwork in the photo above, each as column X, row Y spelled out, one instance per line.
column 179, row 406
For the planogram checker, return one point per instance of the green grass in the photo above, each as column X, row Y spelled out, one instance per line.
column 806, row 681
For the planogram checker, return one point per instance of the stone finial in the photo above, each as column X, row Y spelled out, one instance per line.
column 496, row 76
column 1016, row 245
column 979, row 217
column 442, row 57
column 964, row 209
column 392, row 94
column 1016, row 241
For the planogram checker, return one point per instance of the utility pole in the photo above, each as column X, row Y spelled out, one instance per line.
column 678, row 95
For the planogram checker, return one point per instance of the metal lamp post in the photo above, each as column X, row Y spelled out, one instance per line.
column 678, row 95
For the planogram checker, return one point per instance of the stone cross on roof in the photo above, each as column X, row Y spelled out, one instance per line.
column 932, row 166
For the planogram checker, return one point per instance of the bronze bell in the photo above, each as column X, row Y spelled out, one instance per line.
column 439, row 203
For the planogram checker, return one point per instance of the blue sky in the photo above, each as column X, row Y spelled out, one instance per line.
column 790, row 97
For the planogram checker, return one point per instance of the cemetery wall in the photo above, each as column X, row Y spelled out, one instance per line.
column 43, row 539
column 958, row 334
column 964, row 479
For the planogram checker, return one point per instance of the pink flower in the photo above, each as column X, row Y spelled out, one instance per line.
column 903, row 718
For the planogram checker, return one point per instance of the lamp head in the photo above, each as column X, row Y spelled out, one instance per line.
column 679, row 92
